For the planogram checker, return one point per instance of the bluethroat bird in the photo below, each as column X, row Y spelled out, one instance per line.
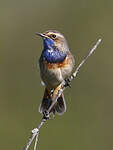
column 56, row 64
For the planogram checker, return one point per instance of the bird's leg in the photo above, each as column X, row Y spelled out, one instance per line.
column 55, row 92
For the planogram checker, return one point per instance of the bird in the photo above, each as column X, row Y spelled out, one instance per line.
column 56, row 64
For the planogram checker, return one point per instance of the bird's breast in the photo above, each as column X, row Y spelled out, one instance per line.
column 62, row 64
column 54, row 73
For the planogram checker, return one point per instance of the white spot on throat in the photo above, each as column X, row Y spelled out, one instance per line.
column 50, row 50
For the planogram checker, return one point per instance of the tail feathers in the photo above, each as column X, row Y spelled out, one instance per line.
column 46, row 102
column 60, row 106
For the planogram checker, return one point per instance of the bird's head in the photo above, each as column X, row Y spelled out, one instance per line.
column 54, row 39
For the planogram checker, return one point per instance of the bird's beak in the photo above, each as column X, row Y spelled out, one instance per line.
column 41, row 34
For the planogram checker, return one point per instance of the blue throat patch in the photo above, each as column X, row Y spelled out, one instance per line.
column 52, row 54
column 48, row 43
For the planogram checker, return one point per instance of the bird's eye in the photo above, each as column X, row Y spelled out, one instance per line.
column 53, row 36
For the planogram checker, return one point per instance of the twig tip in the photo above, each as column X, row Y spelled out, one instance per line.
column 100, row 40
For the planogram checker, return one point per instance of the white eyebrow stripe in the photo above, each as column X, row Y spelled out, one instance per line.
column 57, row 34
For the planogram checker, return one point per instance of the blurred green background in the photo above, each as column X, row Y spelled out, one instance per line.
column 88, row 122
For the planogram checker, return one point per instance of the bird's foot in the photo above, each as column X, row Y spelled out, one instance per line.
column 67, row 82
column 46, row 115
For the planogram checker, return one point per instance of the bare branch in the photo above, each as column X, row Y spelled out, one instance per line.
column 83, row 61
column 56, row 93
column 36, row 141
column 35, row 133
column 63, row 84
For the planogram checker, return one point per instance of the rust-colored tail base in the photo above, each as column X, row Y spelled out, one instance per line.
column 59, row 108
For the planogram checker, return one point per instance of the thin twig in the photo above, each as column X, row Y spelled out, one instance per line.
column 63, row 85
column 36, row 141
column 83, row 61
column 35, row 132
